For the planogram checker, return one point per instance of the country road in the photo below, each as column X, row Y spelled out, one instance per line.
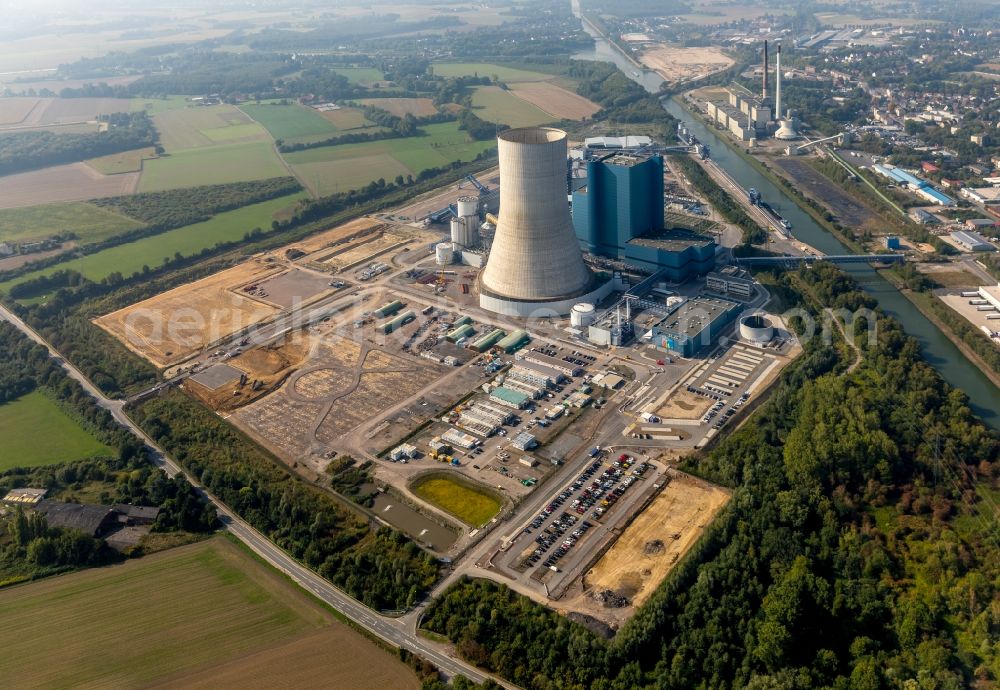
column 399, row 632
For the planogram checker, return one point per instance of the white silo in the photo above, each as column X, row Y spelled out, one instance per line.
column 535, row 256
column 444, row 253
column 468, row 206
column 583, row 315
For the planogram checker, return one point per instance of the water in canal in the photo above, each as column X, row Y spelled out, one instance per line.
column 936, row 348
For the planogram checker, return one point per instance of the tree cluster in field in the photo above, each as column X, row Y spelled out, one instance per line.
column 380, row 567
column 395, row 128
column 477, row 128
column 24, row 151
column 859, row 548
column 730, row 209
column 621, row 99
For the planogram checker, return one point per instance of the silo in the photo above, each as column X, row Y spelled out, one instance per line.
column 468, row 206
column 444, row 253
column 458, row 231
column 583, row 315
column 535, row 256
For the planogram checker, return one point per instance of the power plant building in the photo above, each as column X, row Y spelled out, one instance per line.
column 535, row 266
column 619, row 214
column 697, row 323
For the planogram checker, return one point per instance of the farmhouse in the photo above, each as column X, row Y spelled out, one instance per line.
column 93, row 520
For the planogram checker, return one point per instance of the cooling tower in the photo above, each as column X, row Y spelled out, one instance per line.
column 535, row 255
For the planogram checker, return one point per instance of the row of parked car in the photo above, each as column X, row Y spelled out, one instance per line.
column 731, row 411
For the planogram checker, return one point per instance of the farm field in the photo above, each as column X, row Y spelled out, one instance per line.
column 555, row 100
column 418, row 107
column 239, row 162
column 35, row 431
column 471, row 505
column 291, row 123
column 125, row 162
column 183, row 617
column 89, row 222
column 131, row 257
column 483, row 69
column 72, row 182
column 360, row 75
column 201, row 126
column 497, row 105
column 29, row 113
column 348, row 118
column 338, row 168
column 649, row 547
column 13, row 111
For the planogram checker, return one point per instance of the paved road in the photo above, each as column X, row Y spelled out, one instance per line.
column 400, row 632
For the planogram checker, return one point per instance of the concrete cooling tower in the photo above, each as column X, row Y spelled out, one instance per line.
column 535, row 263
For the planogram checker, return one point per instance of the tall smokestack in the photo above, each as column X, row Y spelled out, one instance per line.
column 777, row 85
column 763, row 93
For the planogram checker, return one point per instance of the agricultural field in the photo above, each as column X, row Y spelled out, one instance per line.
column 150, row 251
column 360, row 75
column 348, row 118
column 35, row 431
column 14, row 111
column 483, row 69
column 555, row 100
column 72, row 182
column 338, row 168
column 90, row 223
column 202, row 126
column 400, row 107
column 202, row 615
column 472, row 505
column 291, row 123
column 497, row 105
column 30, row 113
column 125, row 162
column 241, row 162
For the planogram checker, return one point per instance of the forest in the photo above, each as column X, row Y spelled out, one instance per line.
column 860, row 549
column 379, row 567
column 24, row 151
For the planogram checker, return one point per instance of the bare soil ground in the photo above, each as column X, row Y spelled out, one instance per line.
column 684, row 405
column 555, row 100
column 292, row 287
column 656, row 540
column 330, row 237
column 171, row 326
column 366, row 248
column 14, row 111
column 847, row 210
column 677, row 64
column 61, row 110
column 418, row 107
column 73, row 182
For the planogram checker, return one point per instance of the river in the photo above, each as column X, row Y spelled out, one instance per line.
column 936, row 348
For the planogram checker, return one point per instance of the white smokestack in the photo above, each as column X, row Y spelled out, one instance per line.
column 777, row 86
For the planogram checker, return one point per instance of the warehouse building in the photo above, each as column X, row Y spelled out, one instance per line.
column 566, row 368
column 972, row 241
column 510, row 398
column 697, row 323
column 541, row 374
column 457, row 439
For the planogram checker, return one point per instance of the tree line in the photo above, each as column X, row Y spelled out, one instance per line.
column 730, row 209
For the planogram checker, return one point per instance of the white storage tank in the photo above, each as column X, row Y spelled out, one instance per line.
column 458, row 232
column 468, row 206
column 444, row 253
column 756, row 329
column 582, row 315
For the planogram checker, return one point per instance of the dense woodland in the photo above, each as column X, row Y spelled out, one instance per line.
column 860, row 549
column 23, row 151
column 29, row 548
column 379, row 567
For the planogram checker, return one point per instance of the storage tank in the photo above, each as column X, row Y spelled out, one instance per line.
column 468, row 206
column 535, row 254
column 444, row 253
column 756, row 329
column 583, row 315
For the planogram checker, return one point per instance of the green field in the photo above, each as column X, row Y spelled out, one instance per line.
column 212, row 165
column 118, row 163
column 159, row 105
column 202, row 615
column 339, row 168
column 89, row 222
column 483, row 69
column 469, row 504
column 360, row 74
column 496, row 105
column 35, row 431
column 190, row 239
column 291, row 123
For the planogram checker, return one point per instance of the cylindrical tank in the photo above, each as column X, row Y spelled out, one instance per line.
column 756, row 329
column 464, row 232
column 457, row 231
column 444, row 253
column 583, row 315
column 535, row 254
column 468, row 206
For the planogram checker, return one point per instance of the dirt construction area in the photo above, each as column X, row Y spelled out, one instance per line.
column 679, row 64
column 648, row 549
column 176, row 324
column 848, row 211
column 684, row 405
column 341, row 384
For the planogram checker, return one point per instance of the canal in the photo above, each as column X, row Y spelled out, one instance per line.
column 935, row 347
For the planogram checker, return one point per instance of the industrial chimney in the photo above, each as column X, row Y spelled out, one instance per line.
column 535, row 258
column 777, row 85
column 763, row 93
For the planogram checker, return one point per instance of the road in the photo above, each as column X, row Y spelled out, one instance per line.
column 400, row 632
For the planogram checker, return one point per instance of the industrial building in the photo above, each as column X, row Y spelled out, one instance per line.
column 524, row 441
column 695, row 324
column 565, row 368
column 535, row 264
column 732, row 282
column 991, row 293
column 921, row 187
column 972, row 241
column 510, row 398
column 517, row 339
column 457, row 439
column 539, row 373
column 619, row 214
column 986, row 196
